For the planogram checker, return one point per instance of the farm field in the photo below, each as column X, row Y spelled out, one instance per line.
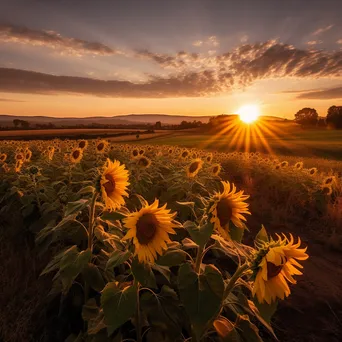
column 86, row 233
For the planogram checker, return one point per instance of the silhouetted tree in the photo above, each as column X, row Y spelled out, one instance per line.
column 321, row 122
column 25, row 124
column 16, row 123
column 137, row 136
column 334, row 117
column 158, row 125
column 306, row 116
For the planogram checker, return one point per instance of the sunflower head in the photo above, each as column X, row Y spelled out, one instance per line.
column 19, row 156
column 143, row 162
column 28, row 155
column 76, row 155
column 185, row 154
column 329, row 180
column 298, row 165
column 194, row 167
column 101, row 146
column 228, row 206
column 135, row 153
column 327, row 189
column 18, row 165
column 150, row 228
column 82, row 144
column 275, row 262
column 3, row 157
column 313, row 171
column 209, row 158
column 33, row 170
column 284, row 164
column 216, row 169
column 113, row 184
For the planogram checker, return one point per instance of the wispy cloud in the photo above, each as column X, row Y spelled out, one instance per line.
column 10, row 100
column 314, row 42
column 211, row 41
column 324, row 94
column 53, row 40
column 339, row 41
column 186, row 74
column 322, row 30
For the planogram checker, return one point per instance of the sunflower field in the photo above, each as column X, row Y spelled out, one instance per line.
column 153, row 243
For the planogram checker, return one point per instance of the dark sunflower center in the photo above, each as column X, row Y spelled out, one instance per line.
column 81, row 144
column 215, row 169
column 328, row 180
column 273, row 270
column 19, row 156
column 224, row 211
column 110, row 185
column 193, row 167
column 100, row 146
column 76, row 154
column 146, row 228
column 141, row 152
column 135, row 153
column 184, row 154
column 27, row 156
column 143, row 162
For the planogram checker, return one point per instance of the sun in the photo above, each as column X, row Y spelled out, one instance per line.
column 249, row 113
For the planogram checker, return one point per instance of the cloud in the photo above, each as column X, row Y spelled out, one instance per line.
column 53, row 40
column 197, row 43
column 211, row 41
column 180, row 85
column 324, row 94
column 339, row 41
column 10, row 100
column 186, row 74
column 314, row 42
column 244, row 38
column 322, row 30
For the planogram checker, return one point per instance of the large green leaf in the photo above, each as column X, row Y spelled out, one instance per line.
column 76, row 207
column 247, row 330
column 143, row 274
column 201, row 295
column 93, row 277
column 117, row 258
column 172, row 257
column 118, row 305
column 112, row 216
column 72, row 264
column 200, row 234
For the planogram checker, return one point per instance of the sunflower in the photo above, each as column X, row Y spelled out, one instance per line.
column 228, row 206
column 114, row 182
column 76, row 155
column 18, row 165
column 313, row 171
column 185, row 154
column 135, row 153
column 275, row 264
column 327, row 189
column 209, row 158
column 101, row 146
column 141, row 151
column 28, row 155
column 298, row 165
column 216, row 169
column 144, row 162
column 82, row 144
column 329, row 180
column 3, row 157
column 19, row 156
column 193, row 169
column 150, row 228
column 284, row 164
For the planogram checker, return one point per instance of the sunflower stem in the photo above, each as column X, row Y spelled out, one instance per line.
column 91, row 220
column 199, row 259
column 233, row 279
column 137, row 317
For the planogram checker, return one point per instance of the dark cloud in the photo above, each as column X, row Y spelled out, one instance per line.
column 10, row 100
column 53, row 40
column 180, row 85
column 325, row 94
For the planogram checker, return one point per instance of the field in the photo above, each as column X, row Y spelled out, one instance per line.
column 91, row 256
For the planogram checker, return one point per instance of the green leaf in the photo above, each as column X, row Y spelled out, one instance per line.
column 117, row 258
column 72, row 264
column 118, row 305
column 236, row 233
column 94, row 316
column 188, row 244
column 143, row 274
column 201, row 295
column 262, row 235
column 164, row 270
column 93, row 277
column 266, row 311
column 200, row 235
column 172, row 257
column 247, row 329
column 112, row 216
column 76, row 207
column 86, row 190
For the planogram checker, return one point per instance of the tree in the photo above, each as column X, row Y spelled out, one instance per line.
column 158, row 125
column 25, row 124
column 16, row 122
column 334, row 117
column 306, row 116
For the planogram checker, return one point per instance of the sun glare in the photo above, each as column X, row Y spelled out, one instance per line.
column 249, row 113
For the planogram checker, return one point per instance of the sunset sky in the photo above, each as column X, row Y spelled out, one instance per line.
column 205, row 57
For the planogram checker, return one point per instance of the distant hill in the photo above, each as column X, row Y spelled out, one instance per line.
column 128, row 119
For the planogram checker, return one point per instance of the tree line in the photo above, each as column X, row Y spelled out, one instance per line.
column 309, row 117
